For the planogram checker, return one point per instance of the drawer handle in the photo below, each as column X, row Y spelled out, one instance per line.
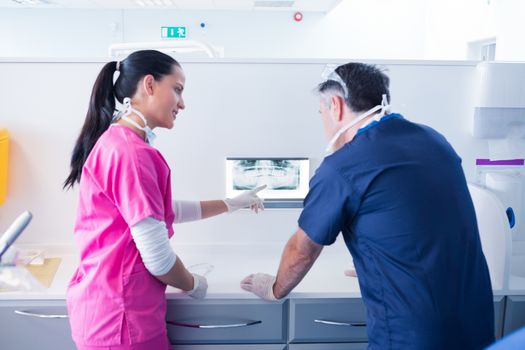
column 213, row 326
column 32, row 314
column 335, row 323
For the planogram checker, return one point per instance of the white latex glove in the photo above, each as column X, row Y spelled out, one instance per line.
column 245, row 200
column 260, row 284
column 200, row 287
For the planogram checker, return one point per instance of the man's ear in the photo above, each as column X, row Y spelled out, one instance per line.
column 148, row 84
column 337, row 103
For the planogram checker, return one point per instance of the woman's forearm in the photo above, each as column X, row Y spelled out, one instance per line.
column 213, row 208
column 178, row 276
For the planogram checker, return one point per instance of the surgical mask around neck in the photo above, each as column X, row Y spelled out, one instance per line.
column 383, row 107
column 125, row 110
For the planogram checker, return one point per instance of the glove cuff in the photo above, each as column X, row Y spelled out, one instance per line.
column 269, row 291
column 228, row 204
column 195, row 285
column 231, row 206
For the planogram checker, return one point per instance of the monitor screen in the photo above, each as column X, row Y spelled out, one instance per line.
column 285, row 178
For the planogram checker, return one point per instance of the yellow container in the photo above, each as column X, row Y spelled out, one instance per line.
column 4, row 153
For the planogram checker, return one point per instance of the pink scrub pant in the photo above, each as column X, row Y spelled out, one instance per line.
column 159, row 343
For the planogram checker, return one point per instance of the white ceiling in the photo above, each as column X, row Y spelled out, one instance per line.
column 236, row 5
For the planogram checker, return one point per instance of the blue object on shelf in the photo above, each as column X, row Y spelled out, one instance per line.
column 511, row 217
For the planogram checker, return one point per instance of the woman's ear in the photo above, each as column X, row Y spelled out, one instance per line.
column 148, row 83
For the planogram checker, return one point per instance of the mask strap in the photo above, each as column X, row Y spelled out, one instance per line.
column 349, row 125
column 385, row 107
column 335, row 77
column 131, row 121
column 329, row 73
column 141, row 116
column 124, row 110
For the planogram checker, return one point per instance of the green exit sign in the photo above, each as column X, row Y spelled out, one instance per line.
column 173, row 32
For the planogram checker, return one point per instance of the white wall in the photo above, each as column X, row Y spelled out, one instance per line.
column 451, row 24
column 58, row 33
column 368, row 29
column 358, row 29
column 233, row 109
column 510, row 40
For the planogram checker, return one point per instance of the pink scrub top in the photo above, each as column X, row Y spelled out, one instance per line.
column 124, row 180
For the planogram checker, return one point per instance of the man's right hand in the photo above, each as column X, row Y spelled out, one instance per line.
column 351, row 273
column 260, row 284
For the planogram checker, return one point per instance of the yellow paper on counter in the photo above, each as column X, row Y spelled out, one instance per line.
column 45, row 273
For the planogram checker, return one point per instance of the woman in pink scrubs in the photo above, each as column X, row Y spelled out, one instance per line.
column 114, row 300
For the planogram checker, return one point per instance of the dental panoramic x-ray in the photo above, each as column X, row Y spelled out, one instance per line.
column 285, row 178
column 276, row 174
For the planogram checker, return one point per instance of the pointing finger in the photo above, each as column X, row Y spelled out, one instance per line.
column 258, row 189
column 247, row 280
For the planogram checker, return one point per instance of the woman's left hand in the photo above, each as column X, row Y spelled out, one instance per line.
column 248, row 199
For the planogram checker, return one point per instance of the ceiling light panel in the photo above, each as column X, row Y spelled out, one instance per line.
column 204, row 5
column 195, row 4
column 273, row 3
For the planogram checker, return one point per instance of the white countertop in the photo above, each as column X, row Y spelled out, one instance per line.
column 232, row 263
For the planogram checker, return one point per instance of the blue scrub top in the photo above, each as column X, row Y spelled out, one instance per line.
column 398, row 194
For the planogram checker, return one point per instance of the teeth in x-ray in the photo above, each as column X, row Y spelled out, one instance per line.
column 276, row 174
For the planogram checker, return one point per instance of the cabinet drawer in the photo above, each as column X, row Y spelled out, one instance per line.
column 329, row 346
column 327, row 320
column 499, row 312
column 514, row 314
column 231, row 347
column 26, row 323
column 226, row 321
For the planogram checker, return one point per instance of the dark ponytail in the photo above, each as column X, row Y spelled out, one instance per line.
column 103, row 95
column 98, row 119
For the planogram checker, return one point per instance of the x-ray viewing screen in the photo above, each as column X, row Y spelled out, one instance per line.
column 285, row 178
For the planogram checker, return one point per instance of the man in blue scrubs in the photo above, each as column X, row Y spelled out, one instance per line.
column 397, row 192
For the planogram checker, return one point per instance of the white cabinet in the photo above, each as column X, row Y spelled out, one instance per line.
column 514, row 313
column 227, row 321
column 499, row 312
column 318, row 323
column 329, row 346
column 327, row 320
column 231, row 347
column 26, row 323
column 231, row 324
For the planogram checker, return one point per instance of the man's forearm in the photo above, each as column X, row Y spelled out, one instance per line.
column 298, row 257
